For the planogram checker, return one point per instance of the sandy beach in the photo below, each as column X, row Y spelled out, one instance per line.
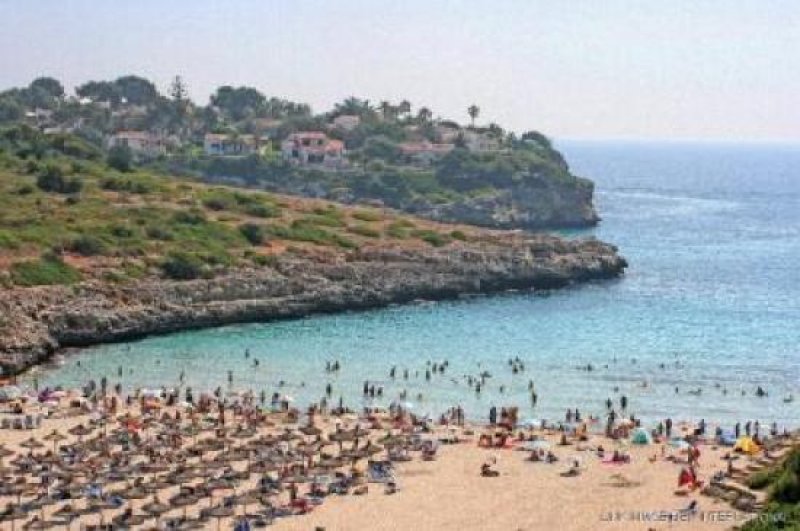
column 193, row 470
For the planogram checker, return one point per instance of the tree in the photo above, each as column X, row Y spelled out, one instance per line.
column 120, row 158
column 100, row 91
column 424, row 115
column 52, row 87
column 386, row 109
column 473, row 111
column 404, row 108
column 177, row 90
column 136, row 90
column 239, row 103
column 52, row 180
column 10, row 109
column 354, row 106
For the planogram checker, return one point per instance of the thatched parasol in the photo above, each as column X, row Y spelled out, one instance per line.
column 56, row 437
column 155, row 508
column 219, row 513
column 12, row 513
column 31, row 444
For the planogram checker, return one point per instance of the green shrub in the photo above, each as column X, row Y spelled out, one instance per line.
column 363, row 230
column 87, row 245
column 189, row 217
column 216, row 203
column 182, row 266
column 458, row 235
column 258, row 210
column 47, row 270
column 367, row 215
column 264, row 259
column 786, row 488
column 432, row 237
column 159, row 233
column 325, row 221
column 253, row 233
column 120, row 158
column 8, row 240
column 52, row 180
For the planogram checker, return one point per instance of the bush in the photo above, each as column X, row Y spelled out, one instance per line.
column 363, row 230
column 258, row 210
column 52, row 180
column 87, row 246
column 120, row 158
column 182, row 266
column 367, row 215
column 47, row 270
column 432, row 237
column 253, row 233
column 216, row 203
column 159, row 233
column 458, row 235
column 8, row 240
column 786, row 488
column 190, row 217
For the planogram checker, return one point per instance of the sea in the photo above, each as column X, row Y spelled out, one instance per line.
column 708, row 311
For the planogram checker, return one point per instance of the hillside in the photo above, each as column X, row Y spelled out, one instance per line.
column 387, row 154
column 90, row 254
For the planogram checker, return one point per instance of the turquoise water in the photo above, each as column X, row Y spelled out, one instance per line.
column 712, row 233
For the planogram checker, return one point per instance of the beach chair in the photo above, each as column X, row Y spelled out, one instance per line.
column 5, row 423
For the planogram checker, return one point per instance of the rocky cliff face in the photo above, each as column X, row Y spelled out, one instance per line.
column 534, row 204
column 35, row 322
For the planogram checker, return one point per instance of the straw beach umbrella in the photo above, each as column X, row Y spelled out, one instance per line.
column 11, row 514
column 219, row 513
column 55, row 437
column 155, row 508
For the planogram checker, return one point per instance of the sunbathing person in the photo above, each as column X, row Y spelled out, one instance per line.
column 488, row 472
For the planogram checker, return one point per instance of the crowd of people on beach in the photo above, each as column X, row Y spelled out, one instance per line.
column 157, row 429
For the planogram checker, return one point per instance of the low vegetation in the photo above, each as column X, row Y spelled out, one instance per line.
column 68, row 216
column 782, row 484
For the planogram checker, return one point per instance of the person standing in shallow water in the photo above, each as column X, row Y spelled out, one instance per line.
column 493, row 415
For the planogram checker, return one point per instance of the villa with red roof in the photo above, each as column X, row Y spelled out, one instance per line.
column 313, row 147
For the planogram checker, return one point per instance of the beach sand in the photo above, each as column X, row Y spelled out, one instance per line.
column 450, row 494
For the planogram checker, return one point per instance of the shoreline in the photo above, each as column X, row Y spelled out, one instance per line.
column 41, row 321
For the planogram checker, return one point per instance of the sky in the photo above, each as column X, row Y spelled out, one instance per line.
column 578, row 69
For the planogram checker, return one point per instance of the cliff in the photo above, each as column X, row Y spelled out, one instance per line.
column 36, row 321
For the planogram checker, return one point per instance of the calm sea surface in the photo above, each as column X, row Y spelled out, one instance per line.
column 711, row 301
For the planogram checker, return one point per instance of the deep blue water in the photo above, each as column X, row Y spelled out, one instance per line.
column 712, row 234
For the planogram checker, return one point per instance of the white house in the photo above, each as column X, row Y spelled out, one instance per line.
column 313, row 147
column 480, row 142
column 347, row 122
column 141, row 143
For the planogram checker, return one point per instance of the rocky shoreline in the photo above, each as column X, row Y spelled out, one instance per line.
column 37, row 322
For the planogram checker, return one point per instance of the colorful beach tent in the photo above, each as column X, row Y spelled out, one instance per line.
column 640, row 436
column 746, row 445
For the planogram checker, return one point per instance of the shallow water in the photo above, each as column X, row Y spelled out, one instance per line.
column 712, row 233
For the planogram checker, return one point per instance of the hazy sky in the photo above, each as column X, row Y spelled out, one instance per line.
column 723, row 69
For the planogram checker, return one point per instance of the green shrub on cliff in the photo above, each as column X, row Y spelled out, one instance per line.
column 47, row 270
column 182, row 266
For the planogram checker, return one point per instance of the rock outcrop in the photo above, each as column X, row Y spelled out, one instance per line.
column 35, row 322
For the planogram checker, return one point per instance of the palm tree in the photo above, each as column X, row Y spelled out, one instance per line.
column 404, row 108
column 473, row 111
column 424, row 115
